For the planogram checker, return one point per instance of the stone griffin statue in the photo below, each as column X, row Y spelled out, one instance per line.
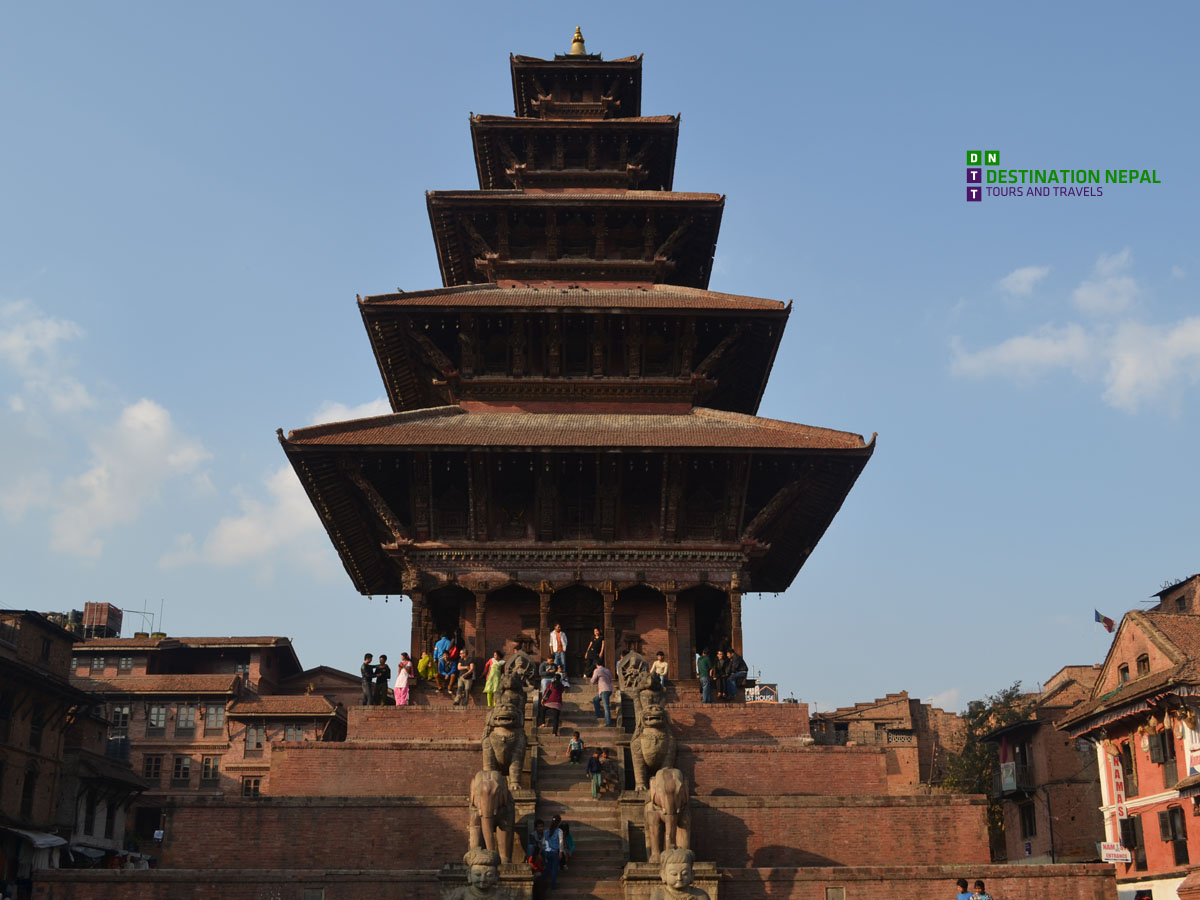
column 483, row 878
column 636, row 682
column 652, row 746
column 677, row 877
column 504, row 743
column 519, row 675
column 668, row 816
column 490, row 825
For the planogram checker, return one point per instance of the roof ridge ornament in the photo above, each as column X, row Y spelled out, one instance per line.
column 577, row 47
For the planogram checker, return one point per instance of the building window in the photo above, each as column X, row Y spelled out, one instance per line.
column 214, row 717
column 210, row 768
column 74, row 662
column 185, row 720
column 98, row 663
column 293, row 732
column 5, row 716
column 1162, row 751
column 251, row 785
column 152, row 768
column 156, row 720
column 110, row 819
column 125, row 664
column 1181, row 603
column 1028, row 820
column 181, row 775
column 37, row 726
column 119, row 721
column 242, row 667
column 89, row 813
column 256, row 739
column 28, row 789
column 1131, row 840
column 314, row 894
column 1129, row 770
column 1173, row 827
column 46, row 648
column 1143, row 665
column 1123, row 673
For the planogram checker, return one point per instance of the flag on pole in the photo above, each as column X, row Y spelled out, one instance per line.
column 1108, row 623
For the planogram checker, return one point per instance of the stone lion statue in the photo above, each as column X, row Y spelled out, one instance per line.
column 504, row 743
column 652, row 746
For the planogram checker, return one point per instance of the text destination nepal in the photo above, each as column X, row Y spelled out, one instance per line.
column 1072, row 176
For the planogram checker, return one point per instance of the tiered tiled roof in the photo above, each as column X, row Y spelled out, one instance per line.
column 255, row 705
column 159, row 684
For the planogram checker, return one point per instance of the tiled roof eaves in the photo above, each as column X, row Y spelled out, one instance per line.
column 1130, row 692
column 584, row 124
column 615, row 299
column 158, row 684
column 571, row 197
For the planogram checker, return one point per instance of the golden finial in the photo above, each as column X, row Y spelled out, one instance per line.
column 577, row 48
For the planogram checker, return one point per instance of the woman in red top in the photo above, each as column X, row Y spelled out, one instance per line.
column 552, row 702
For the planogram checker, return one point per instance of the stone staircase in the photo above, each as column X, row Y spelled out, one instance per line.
column 563, row 789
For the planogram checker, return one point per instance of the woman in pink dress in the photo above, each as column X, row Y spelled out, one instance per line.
column 404, row 673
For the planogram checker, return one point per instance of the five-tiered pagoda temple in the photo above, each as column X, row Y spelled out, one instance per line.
column 573, row 437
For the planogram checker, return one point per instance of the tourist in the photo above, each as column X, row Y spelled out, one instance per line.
column 569, row 845
column 383, row 674
column 660, row 668
column 963, row 892
column 466, row 681
column 575, row 748
column 738, row 670
column 980, row 893
column 552, row 849
column 537, row 864
column 595, row 771
column 547, row 671
column 602, row 678
column 426, row 670
column 704, row 667
column 720, row 675
column 558, row 648
column 446, row 670
column 442, row 646
column 607, row 775
column 491, row 681
column 368, row 678
column 594, row 654
column 552, row 705
column 404, row 674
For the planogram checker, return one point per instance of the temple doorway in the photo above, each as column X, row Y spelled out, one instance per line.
column 710, row 612
column 578, row 609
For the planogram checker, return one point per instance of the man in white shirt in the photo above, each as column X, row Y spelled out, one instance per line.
column 558, row 648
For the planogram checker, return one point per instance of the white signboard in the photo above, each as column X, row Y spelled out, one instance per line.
column 1111, row 851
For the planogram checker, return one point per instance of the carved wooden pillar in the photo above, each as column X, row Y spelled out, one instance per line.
column 735, row 614
column 418, row 625
column 610, row 632
column 481, row 648
column 672, row 635
column 544, row 620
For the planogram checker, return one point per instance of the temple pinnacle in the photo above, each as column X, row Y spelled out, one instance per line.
column 577, row 48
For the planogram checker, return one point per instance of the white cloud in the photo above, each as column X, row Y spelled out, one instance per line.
column 28, row 492
column 1178, row 272
column 340, row 412
column 131, row 461
column 1150, row 362
column 30, row 345
column 1026, row 356
column 1021, row 282
column 947, row 700
column 1110, row 289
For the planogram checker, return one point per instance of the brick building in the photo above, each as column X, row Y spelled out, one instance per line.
column 1048, row 781
column 197, row 716
column 1141, row 718
column 916, row 736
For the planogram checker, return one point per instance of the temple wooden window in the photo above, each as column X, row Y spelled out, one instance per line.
column 185, row 720
column 575, row 148
column 37, row 726
column 1172, row 827
column 495, row 340
column 577, row 496
column 28, row 791
column 152, row 768
column 625, row 238
column 525, row 237
column 1143, row 665
column 577, row 350
column 156, row 720
column 577, row 236
column 1028, row 816
column 514, row 484
column 659, row 350
column 450, row 501
column 1129, row 769
column 181, row 771
column 210, row 769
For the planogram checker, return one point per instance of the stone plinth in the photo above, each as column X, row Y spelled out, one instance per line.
column 517, row 878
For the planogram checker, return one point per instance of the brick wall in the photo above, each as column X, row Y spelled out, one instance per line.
column 292, row 833
column 824, row 831
column 389, row 769
column 1077, row 882
column 715, row 768
column 695, row 721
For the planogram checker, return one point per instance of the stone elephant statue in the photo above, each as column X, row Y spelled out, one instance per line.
column 492, row 814
column 668, row 815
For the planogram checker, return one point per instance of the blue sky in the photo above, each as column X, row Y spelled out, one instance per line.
column 192, row 196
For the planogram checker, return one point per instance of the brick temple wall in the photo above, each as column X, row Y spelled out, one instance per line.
column 384, row 769
column 733, row 769
column 692, row 720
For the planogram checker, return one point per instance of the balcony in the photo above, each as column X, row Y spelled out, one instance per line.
column 1013, row 779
